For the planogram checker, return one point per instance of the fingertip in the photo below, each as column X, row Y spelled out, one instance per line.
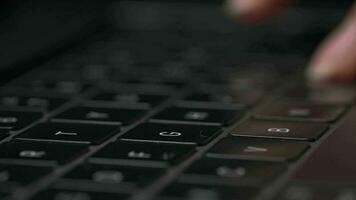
column 253, row 10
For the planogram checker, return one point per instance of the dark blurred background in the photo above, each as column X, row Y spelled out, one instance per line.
column 31, row 29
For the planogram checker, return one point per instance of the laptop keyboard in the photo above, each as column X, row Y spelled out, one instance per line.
column 143, row 118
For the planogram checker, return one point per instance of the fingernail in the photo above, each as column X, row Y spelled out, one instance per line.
column 240, row 7
column 319, row 74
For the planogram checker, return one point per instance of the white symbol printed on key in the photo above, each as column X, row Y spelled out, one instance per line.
column 278, row 130
column 65, row 133
column 251, row 149
column 196, row 115
column 32, row 154
column 133, row 154
column 97, row 115
column 170, row 134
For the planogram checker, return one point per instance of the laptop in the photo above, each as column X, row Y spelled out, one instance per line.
column 169, row 100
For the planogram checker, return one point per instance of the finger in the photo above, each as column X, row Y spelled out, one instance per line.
column 335, row 60
column 254, row 10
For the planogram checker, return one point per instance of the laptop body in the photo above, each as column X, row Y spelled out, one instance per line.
column 168, row 100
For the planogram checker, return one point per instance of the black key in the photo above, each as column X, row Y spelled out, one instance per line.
column 70, row 132
column 57, row 194
column 231, row 172
column 204, row 115
column 327, row 94
column 173, row 133
column 31, row 101
column 130, row 98
column 12, row 176
column 43, row 153
column 4, row 133
column 278, row 129
column 61, row 87
column 200, row 192
column 299, row 111
column 239, row 98
column 257, row 149
column 103, row 115
column 105, row 176
column 17, row 120
column 124, row 152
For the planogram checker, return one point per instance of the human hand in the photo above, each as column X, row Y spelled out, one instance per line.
column 334, row 59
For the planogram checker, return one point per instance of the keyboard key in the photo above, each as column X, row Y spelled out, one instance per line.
column 257, row 149
column 70, row 132
column 39, row 153
column 4, row 133
column 59, row 87
column 231, row 172
column 102, row 115
column 204, row 115
column 12, row 176
column 173, row 133
column 124, row 152
column 240, row 98
column 299, row 112
column 58, row 194
column 130, row 98
column 31, row 101
column 328, row 94
column 106, row 176
column 200, row 192
column 17, row 120
column 278, row 129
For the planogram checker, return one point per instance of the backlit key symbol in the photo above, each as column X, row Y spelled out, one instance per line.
column 299, row 112
column 229, row 172
column 8, row 120
column 108, row 176
column 65, row 133
column 32, row 154
column 196, row 115
column 278, row 130
column 251, row 149
column 133, row 154
column 96, row 115
column 170, row 134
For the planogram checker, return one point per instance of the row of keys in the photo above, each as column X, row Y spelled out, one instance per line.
column 170, row 133
column 127, row 116
column 49, row 86
column 40, row 102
